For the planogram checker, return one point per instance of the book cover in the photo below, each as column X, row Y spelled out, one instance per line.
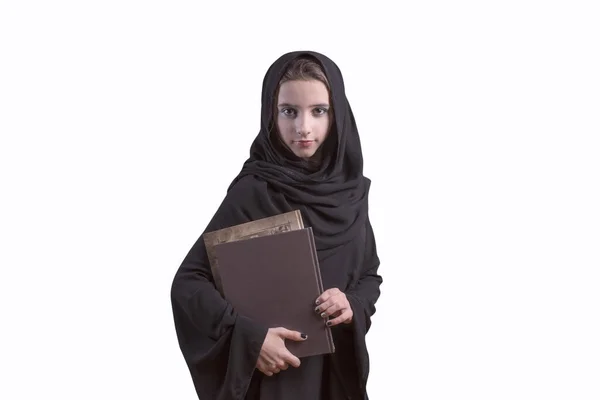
column 285, row 222
column 275, row 281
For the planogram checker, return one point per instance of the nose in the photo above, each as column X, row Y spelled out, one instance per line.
column 303, row 126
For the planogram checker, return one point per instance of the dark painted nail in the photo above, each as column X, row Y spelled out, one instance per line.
column 317, row 310
column 303, row 335
column 328, row 323
column 317, row 302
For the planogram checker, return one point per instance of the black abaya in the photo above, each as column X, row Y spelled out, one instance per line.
column 220, row 346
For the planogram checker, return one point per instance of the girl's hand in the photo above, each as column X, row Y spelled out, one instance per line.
column 333, row 303
column 274, row 356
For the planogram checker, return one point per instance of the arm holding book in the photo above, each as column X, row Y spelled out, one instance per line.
column 221, row 348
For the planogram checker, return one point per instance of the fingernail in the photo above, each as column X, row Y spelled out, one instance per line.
column 322, row 315
column 328, row 323
column 317, row 310
column 317, row 302
column 303, row 335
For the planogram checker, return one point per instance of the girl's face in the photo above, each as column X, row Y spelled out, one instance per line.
column 303, row 116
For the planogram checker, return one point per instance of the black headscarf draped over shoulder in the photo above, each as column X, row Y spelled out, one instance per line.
column 333, row 198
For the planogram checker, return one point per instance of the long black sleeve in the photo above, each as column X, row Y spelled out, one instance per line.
column 362, row 297
column 365, row 293
column 220, row 347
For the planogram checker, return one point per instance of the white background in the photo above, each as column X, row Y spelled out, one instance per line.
column 123, row 123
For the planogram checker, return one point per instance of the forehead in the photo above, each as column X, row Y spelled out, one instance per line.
column 303, row 93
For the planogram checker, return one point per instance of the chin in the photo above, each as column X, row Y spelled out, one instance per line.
column 305, row 154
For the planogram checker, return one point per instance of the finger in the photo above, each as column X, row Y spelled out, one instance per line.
column 267, row 360
column 335, row 307
column 263, row 366
column 292, row 335
column 291, row 359
column 345, row 316
column 282, row 365
column 264, row 369
column 326, row 295
column 334, row 304
column 325, row 305
column 274, row 368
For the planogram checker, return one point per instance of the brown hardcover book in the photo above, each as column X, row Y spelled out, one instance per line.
column 275, row 281
column 261, row 227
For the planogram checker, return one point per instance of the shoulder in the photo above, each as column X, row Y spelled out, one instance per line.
column 244, row 186
column 237, row 205
column 245, row 197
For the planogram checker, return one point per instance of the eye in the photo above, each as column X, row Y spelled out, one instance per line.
column 320, row 111
column 288, row 112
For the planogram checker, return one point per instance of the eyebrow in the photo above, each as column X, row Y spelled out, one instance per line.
column 324, row 105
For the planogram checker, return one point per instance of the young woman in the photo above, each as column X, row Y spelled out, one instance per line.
column 307, row 156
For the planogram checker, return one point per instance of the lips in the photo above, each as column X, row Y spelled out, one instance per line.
column 305, row 143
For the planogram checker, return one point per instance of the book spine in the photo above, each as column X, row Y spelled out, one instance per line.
column 317, row 267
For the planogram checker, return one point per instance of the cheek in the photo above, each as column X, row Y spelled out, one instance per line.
column 284, row 127
column 324, row 125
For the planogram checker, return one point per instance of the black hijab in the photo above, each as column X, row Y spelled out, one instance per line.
column 333, row 197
